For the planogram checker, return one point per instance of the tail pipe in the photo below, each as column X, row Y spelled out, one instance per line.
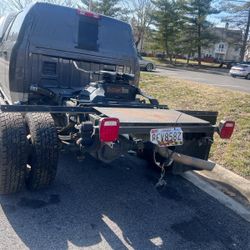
column 198, row 164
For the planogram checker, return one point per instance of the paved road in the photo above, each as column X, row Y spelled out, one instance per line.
column 95, row 206
column 219, row 79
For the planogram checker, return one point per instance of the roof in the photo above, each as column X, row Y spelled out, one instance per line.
column 228, row 35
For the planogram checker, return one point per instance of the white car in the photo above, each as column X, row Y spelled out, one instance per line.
column 241, row 70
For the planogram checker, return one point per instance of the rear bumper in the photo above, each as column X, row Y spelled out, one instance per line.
column 241, row 74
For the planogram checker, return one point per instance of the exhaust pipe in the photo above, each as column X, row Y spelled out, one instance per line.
column 198, row 164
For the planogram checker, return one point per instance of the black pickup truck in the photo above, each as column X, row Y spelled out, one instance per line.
column 69, row 79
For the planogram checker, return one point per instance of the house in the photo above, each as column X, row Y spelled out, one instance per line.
column 247, row 54
column 227, row 47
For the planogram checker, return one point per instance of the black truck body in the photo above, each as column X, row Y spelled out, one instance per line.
column 40, row 43
column 69, row 79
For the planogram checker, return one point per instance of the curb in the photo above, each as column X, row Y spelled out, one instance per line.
column 228, row 188
column 228, row 182
column 211, row 71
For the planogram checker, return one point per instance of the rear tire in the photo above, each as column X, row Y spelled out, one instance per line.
column 248, row 77
column 13, row 152
column 43, row 160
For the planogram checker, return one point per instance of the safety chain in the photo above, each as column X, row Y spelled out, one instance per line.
column 162, row 182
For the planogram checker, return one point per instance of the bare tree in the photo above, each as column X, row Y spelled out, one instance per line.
column 15, row 4
column 238, row 15
column 113, row 8
column 20, row 4
column 3, row 8
column 141, row 20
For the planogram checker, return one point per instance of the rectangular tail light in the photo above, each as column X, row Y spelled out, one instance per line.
column 226, row 129
column 88, row 13
column 109, row 129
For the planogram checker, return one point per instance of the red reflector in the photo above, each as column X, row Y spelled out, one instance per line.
column 87, row 13
column 226, row 129
column 109, row 129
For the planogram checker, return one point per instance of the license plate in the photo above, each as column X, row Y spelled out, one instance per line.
column 167, row 137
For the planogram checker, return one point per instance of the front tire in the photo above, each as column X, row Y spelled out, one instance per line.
column 149, row 67
column 43, row 159
column 248, row 77
column 13, row 152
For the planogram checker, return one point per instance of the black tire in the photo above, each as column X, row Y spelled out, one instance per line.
column 13, row 152
column 43, row 158
column 149, row 67
column 248, row 77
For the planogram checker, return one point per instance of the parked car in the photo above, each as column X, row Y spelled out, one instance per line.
column 244, row 62
column 227, row 63
column 145, row 64
column 240, row 70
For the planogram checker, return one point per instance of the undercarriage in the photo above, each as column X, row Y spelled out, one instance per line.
column 107, row 119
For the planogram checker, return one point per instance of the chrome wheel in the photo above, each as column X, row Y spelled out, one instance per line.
column 149, row 67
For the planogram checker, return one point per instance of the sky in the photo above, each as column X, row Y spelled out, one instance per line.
column 215, row 19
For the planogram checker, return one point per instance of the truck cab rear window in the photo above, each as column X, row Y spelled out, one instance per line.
column 88, row 33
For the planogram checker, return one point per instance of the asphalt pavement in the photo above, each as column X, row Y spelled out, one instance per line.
column 215, row 77
column 97, row 206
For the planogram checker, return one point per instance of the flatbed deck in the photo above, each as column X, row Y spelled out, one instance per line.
column 140, row 116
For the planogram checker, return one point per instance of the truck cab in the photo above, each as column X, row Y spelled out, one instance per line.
column 39, row 44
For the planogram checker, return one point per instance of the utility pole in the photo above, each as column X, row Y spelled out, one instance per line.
column 244, row 44
column 90, row 5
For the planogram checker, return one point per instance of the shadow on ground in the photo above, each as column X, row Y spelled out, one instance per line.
column 117, row 207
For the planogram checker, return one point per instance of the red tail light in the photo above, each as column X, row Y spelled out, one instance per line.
column 226, row 129
column 109, row 129
column 88, row 13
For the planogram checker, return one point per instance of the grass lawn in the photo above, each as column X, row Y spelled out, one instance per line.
column 180, row 94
